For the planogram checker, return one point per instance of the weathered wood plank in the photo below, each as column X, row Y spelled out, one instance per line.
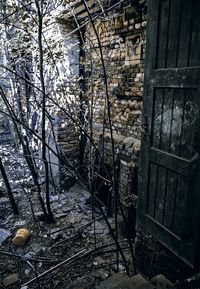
column 177, row 120
column 191, row 111
column 160, row 200
column 157, row 117
column 169, row 161
column 162, row 37
column 174, row 28
column 194, row 57
column 175, row 78
column 152, row 189
column 184, row 36
column 166, row 119
column 169, row 199
column 180, row 207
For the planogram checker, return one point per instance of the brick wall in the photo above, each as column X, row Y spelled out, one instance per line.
column 122, row 35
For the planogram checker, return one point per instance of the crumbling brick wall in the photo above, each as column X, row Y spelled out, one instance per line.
column 122, row 37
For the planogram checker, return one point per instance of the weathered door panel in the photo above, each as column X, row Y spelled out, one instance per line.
column 169, row 179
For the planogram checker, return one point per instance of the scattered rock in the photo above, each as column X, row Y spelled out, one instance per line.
column 161, row 282
column 10, row 279
column 58, row 246
column 137, row 282
column 100, row 275
column 99, row 260
column 113, row 281
column 40, row 216
column 10, row 267
column 56, row 236
column 37, row 248
column 30, row 255
column 99, row 231
column 27, row 272
column 4, row 235
column 54, row 198
column 3, row 200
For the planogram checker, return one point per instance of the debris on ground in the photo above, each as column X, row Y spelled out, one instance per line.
column 10, row 279
column 21, row 236
column 4, row 234
column 77, row 251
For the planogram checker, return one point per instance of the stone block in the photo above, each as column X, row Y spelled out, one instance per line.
column 113, row 281
column 161, row 282
column 128, row 142
column 4, row 234
column 137, row 25
column 135, row 282
column 144, row 23
column 10, row 279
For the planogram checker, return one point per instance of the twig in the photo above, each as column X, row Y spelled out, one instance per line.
column 62, row 215
column 54, row 268
column 36, row 275
column 10, row 254
column 83, row 209
column 79, row 228
column 22, row 257
column 76, row 235
column 65, row 240
column 30, row 265
column 114, row 182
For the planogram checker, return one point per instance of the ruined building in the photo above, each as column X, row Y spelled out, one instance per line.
column 122, row 116
column 112, row 54
column 122, row 35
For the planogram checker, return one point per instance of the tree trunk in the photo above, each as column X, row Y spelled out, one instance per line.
column 41, row 68
column 8, row 189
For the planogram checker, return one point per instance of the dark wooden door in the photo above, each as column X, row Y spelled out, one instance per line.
column 169, row 187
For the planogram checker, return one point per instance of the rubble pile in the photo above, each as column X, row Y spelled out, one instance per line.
column 74, row 252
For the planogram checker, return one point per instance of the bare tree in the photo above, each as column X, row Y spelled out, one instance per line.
column 8, row 189
column 41, row 68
